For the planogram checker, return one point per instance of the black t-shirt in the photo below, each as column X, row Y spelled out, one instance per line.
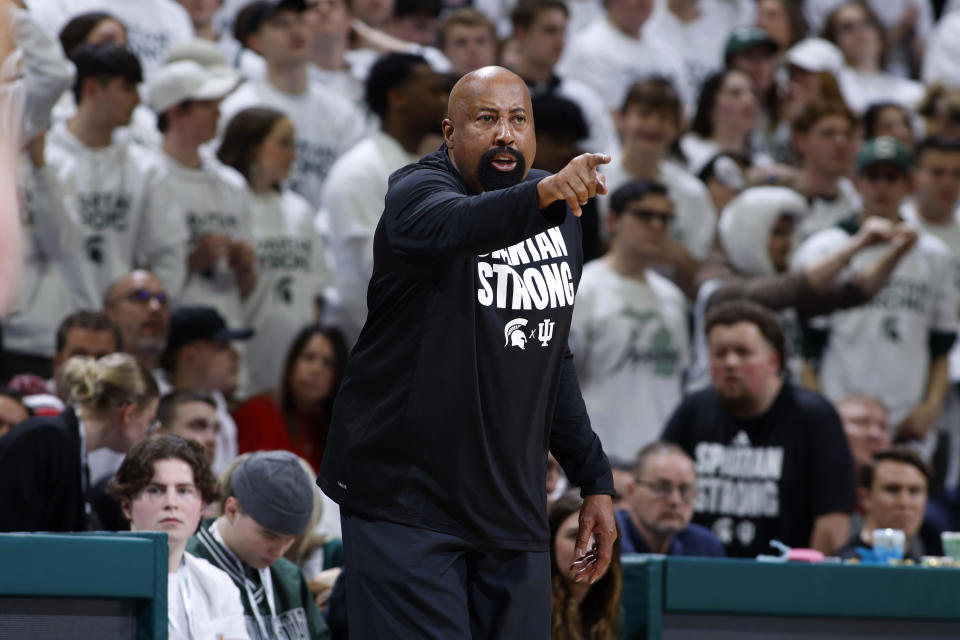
column 461, row 377
column 767, row 477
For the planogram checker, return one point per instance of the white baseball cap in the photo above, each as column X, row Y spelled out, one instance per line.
column 206, row 52
column 815, row 55
column 187, row 80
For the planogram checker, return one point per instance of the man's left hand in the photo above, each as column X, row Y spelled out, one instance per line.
column 597, row 521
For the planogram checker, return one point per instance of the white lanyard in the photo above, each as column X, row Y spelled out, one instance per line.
column 84, row 471
column 82, row 430
column 265, row 580
column 185, row 590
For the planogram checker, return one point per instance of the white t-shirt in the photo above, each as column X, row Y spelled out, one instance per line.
column 699, row 44
column 631, row 346
column 347, row 82
column 211, row 199
column 699, row 151
column 352, row 206
column 950, row 235
column 34, row 75
column 889, row 13
column 881, row 348
column 610, row 61
column 862, row 88
column 292, row 273
column 826, row 213
column 54, row 281
column 359, row 61
column 695, row 223
column 203, row 602
column 601, row 131
column 108, row 190
column 941, row 61
column 154, row 27
column 141, row 130
column 325, row 125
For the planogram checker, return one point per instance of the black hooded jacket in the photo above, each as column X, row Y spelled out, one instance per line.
column 461, row 378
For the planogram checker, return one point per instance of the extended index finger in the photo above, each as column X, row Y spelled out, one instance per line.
column 596, row 159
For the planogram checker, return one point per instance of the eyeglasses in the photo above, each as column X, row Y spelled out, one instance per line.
column 649, row 215
column 663, row 490
column 141, row 296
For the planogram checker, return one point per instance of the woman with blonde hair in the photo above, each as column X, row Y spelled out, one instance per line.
column 111, row 402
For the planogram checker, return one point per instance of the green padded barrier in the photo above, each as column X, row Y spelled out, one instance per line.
column 642, row 601
column 825, row 590
column 91, row 565
column 655, row 586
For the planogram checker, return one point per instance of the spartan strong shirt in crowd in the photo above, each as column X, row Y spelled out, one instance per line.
column 768, row 477
column 461, row 377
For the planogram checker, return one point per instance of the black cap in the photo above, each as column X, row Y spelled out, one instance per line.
column 189, row 324
column 254, row 14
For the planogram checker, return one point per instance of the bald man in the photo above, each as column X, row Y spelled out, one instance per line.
column 461, row 381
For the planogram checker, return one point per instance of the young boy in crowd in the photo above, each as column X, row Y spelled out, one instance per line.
column 208, row 199
column 107, row 183
column 652, row 117
column 270, row 503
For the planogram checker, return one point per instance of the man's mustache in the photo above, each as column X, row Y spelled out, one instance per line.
column 490, row 154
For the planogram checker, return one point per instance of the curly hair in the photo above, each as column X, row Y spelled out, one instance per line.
column 137, row 469
column 597, row 617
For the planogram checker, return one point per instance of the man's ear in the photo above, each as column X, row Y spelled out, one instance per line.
column 252, row 42
column 231, row 508
column 127, row 512
column 611, row 220
column 91, row 88
column 175, row 111
column 447, row 126
column 395, row 98
column 188, row 354
column 618, row 119
column 798, row 143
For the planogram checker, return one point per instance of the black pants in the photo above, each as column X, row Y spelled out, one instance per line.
column 407, row 582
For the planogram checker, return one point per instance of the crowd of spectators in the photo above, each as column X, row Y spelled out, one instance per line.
column 765, row 333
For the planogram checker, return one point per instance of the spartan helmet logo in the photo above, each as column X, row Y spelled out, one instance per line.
column 514, row 334
column 94, row 249
column 284, row 289
column 890, row 329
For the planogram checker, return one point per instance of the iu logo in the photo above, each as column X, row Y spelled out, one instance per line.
column 545, row 331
